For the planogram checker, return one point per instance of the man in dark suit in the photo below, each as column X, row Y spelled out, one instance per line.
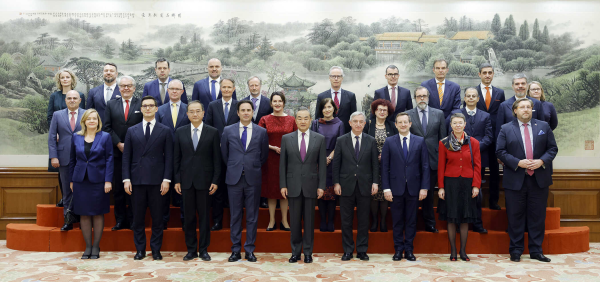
column 121, row 114
column 343, row 99
column 430, row 124
column 197, row 162
column 147, row 172
column 99, row 96
column 445, row 94
column 245, row 148
column 399, row 96
column 221, row 113
column 527, row 148
column 172, row 115
column 64, row 124
column 405, row 180
column 490, row 99
column 302, row 175
column 355, row 178
column 505, row 112
column 158, row 88
column 479, row 126
column 207, row 90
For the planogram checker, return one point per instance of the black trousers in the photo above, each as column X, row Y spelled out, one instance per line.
column 196, row 201
column 427, row 203
column 219, row 199
column 176, row 202
column 478, row 224
column 526, row 209
column 302, row 207
column 363, row 209
column 123, row 211
column 494, row 175
column 404, row 217
column 143, row 197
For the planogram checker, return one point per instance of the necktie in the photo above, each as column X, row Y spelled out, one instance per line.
column 424, row 122
column 195, row 138
column 303, row 147
column 471, row 113
column 244, row 137
column 405, row 148
column 226, row 111
column 528, row 147
column 255, row 107
column 357, row 147
column 394, row 96
column 174, row 114
column 108, row 94
column 72, row 121
column 147, row 131
column 162, row 91
column 336, row 100
column 213, row 92
column 126, row 109
column 440, row 92
column 488, row 98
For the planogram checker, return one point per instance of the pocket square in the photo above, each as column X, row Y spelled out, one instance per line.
column 541, row 132
column 137, row 112
column 118, row 96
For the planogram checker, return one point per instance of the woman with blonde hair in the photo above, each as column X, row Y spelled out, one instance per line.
column 66, row 81
column 535, row 90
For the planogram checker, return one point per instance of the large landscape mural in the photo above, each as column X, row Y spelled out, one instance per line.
column 292, row 49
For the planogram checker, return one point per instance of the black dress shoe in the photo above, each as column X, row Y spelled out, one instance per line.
column 323, row 226
column 60, row 204
column 495, row 207
column 374, row 225
column 120, row 226
column 431, row 229
column 204, row 256
column 397, row 256
column 294, row 259
column 409, row 256
column 66, row 227
column 464, row 257
column 156, row 255
column 308, row 259
column 515, row 257
column 264, row 205
column 84, row 256
column 190, row 256
column 383, row 226
column 347, row 256
column 217, row 226
column 539, row 257
column 283, row 227
column 235, row 256
column 271, row 228
column 480, row 230
column 362, row 256
column 140, row 255
column 250, row 257
column 96, row 256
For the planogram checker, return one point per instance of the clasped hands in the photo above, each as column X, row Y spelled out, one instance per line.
column 530, row 164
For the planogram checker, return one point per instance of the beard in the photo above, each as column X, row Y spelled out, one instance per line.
column 109, row 80
column 422, row 105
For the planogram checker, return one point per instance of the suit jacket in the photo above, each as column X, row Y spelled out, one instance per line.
column 95, row 99
column 550, row 115
column 480, row 128
column 239, row 160
column 400, row 174
column 152, row 89
column 303, row 176
column 510, row 150
column 163, row 115
column 505, row 112
column 201, row 92
column 264, row 108
column 403, row 101
column 348, row 170
column 148, row 162
column 57, row 102
column 114, row 120
column 215, row 116
column 497, row 99
column 436, row 130
column 199, row 167
column 451, row 100
column 370, row 126
column 99, row 165
column 347, row 106
column 61, row 125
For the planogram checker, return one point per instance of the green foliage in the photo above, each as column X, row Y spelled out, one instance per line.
column 108, row 51
column 524, row 31
column 496, row 24
column 265, row 50
column 6, row 62
column 89, row 72
column 5, row 102
column 592, row 64
column 129, row 51
column 576, row 92
column 60, row 54
column 519, row 64
column 478, row 61
column 574, row 60
column 4, row 76
column 29, row 64
column 34, row 116
column 462, row 69
column 535, row 34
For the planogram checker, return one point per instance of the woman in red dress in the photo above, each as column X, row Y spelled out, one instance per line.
column 277, row 124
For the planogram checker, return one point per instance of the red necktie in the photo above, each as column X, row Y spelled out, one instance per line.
column 336, row 100
column 394, row 96
column 72, row 121
column 528, row 148
column 126, row 109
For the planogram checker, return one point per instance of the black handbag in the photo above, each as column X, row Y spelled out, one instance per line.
column 70, row 216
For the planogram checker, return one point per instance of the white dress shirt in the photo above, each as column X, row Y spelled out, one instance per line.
column 228, row 105
column 217, row 86
column 473, row 110
column 112, row 91
column 144, row 124
column 125, row 104
column 402, row 144
column 483, row 90
column 166, row 85
column 443, row 85
column 257, row 105
column 354, row 139
column 76, row 115
column 522, row 128
column 199, row 130
column 339, row 95
column 306, row 138
column 421, row 114
column 390, row 92
column 248, row 133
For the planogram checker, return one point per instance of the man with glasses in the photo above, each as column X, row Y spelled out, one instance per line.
column 399, row 96
column 99, row 96
column 121, row 114
column 158, row 88
column 262, row 104
column 445, row 93
column 343, row 99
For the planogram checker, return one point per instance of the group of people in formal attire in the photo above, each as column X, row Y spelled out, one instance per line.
column 216, row 151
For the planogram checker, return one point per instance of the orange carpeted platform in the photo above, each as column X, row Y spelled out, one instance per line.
column 45, row 236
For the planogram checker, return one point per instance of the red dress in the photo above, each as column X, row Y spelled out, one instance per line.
column 276, row 127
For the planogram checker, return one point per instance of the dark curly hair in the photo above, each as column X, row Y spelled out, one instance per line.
column 382, row 102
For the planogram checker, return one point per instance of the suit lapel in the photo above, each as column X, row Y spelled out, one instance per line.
column 80, row 112
column 362, row 146
column 517, row 132
column 535, row 130
column 311, row 144
column 232, row 104
column 202, row 139
column 386, row 93
column 180, row 114
column 221, row 114
column 417, row 121
column 153, row 136
column 295, row 140
column 134, row 100
column 65, row 116
column 399, row 146
column 169, row 115
column 207, row 89
column 481, row 102
column 95, row 143
column 115, row 93
column 80, row 140
column 411, row 147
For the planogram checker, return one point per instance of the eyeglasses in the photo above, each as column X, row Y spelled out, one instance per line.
column 148, row 106
column 382, row 110
column 393, row 74
column 336, row 76
column 535, row 89
column 175, row 89
column 420, row 97
column 127, row 86
column 470, row 96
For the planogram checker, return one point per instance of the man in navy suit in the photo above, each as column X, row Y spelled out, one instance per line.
column 445, row 94
column 405, row 180
column 399, row 96
column 490, row 99
column 505, row 112
column 221, row 113
column 99, row 96
column 245, row 148
column 527, row 147
column 158, row 88
column 64, row 124
column 172, row 114
column 343, row 99
column 479, row 126
column 207, row 90
column 147, row 172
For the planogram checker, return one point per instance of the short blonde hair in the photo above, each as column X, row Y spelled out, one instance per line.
column 543, row 96
column 85, row 116
column 73, row 79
